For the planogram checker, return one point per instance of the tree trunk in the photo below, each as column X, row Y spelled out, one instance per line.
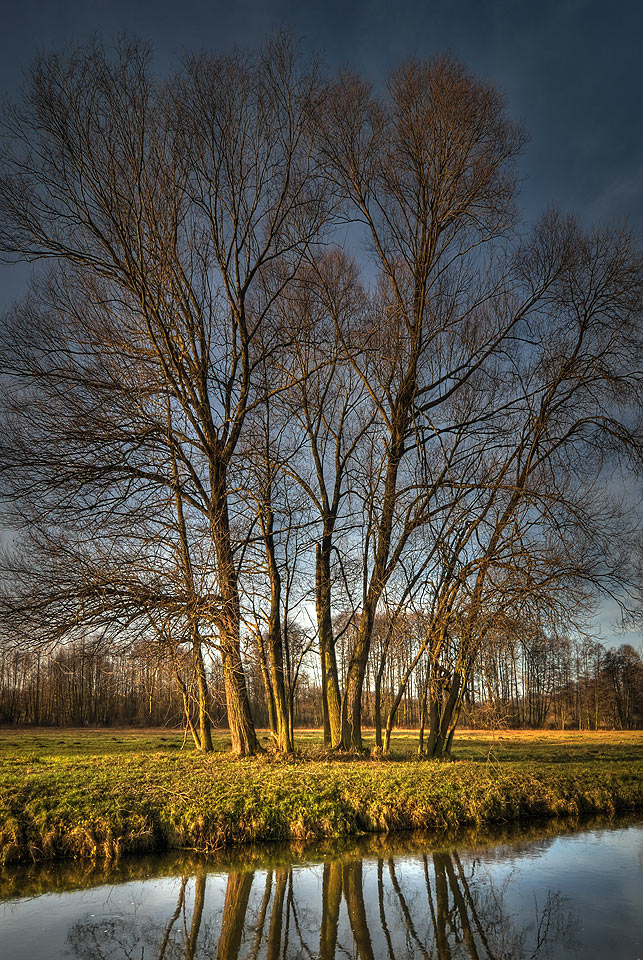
column 324, row 698
column 267, row 684
column 378, row 701
column 205, row 730
column 352, row 702
column 423, row 712
column 273, row 677
column 242, row 731
column 186, row 709
column 331, row 704
column 275, row 644
column 282, row 714
column 442, row 713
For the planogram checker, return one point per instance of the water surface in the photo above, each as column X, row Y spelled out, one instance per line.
column 549, row 891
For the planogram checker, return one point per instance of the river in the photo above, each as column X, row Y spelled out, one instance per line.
column 553, row 890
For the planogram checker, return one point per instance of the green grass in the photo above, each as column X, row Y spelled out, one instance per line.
column 100, row 794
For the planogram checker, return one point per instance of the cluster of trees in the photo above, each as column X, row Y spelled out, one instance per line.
column 81, row 685
column 540, row 682
column 533, row 682
column 290, row 349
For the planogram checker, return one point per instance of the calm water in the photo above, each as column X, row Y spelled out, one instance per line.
column 544, row 892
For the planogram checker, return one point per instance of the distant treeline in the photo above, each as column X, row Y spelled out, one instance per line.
column 537, row 684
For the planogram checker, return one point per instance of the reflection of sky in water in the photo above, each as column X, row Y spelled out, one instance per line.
column 38, row 928
column 507, row 894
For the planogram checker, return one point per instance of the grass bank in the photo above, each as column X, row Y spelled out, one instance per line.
column 19, row 880
column 87, row 794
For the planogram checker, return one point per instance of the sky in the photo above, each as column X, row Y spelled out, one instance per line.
column 571, row 71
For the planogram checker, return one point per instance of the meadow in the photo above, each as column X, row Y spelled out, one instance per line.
column 103, row 793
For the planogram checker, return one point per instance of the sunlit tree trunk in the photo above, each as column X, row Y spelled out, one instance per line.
column 242, row 731
column 274, row 639
column 205, row 726
column 331, row 700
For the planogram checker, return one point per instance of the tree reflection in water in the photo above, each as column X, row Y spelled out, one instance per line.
column 428, row 907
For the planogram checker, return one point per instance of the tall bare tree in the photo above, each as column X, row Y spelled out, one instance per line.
column 165, row 205
column 429, row 172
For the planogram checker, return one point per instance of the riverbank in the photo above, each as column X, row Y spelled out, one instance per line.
column 79, row 794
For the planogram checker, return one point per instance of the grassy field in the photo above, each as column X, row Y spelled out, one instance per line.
column 85, row 793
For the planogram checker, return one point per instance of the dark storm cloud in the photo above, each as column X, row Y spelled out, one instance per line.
column 571, row 69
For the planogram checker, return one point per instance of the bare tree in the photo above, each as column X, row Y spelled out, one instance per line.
column 429, row 172
column 168, row 205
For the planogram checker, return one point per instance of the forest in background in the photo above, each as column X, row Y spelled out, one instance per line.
column 537, row 685
column 289, row 345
